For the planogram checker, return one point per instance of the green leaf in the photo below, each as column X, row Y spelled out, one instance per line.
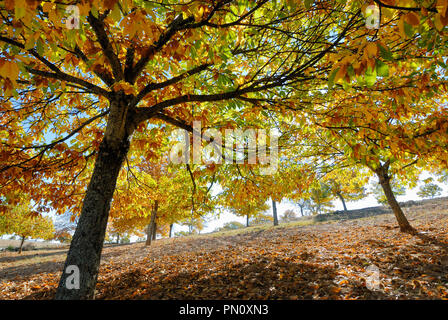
column 331, row 78
column 40, row 47
column 308, row 3
column 408, row 30
column 29, row 45
column 94, row 11
column 116, row 13
column 385, row 53
column 382, row 69
column 351, row 72
column 370, row 77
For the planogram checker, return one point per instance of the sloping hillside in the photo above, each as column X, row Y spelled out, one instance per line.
column 438, row 204
column 320, row 261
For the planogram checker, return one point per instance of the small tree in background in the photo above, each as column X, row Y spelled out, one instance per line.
column 429, row 190
column 64, row 226
column 62, row 236
column 22, row 221
column 182, row 234
column 347, row 185
column 249, row 209
column 232, row 225
column 288, row 215
column 195, row 224
column 321, row 198
column 261, row 218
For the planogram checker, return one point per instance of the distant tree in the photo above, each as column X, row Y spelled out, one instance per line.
column 22, row 221
column 64, row 226
column 249, row 208
column 261, row 219
column 304, row 205
column 347, row 185
column 321, row 198
column 182, row 234
column 195, row 225
column 62, row 236
column 232, row 225
column 429, row 190
column 288, row 215
column 125, row 239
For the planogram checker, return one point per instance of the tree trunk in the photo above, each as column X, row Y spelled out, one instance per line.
column 154, row 231
column 118, row 238
column 247, row 220
column 274, row 213
column 342, row 200
column 171, row 230
column 151, row 226
column 22, row 240
column 301, row 210
column 87, row 243
column 384, row 179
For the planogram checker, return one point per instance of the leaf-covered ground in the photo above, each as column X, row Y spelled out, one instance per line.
column 324, row 261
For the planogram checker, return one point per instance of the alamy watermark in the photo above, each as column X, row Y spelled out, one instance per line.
column 72, row 280
column 373, row 278
column 251, row 146
column 373, row 16
column 72, row 21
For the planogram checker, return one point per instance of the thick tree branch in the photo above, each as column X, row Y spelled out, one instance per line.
column 68, row 78
column 381, row 4
column 155, row 86
column 100, row 32
column 57, row 73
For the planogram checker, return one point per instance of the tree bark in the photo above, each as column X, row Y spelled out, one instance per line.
column 342, row 200
column 171, row 230
column 384, row 178
column 151, row 226
column 154, row 231
column 247, row 220
column 22, row 240
column 274, row 213
column 301, row 210
column 87, row 243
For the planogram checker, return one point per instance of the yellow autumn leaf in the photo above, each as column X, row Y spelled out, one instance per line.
column 371, row 49
column 401, row 27
column 126, row 87
column 9, row 70
column 438, row 22
column 341, row 73
column 9, row 5
column 442, row 6
column 48, row 6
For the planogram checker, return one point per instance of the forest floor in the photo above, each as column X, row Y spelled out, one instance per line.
column 327, row 260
